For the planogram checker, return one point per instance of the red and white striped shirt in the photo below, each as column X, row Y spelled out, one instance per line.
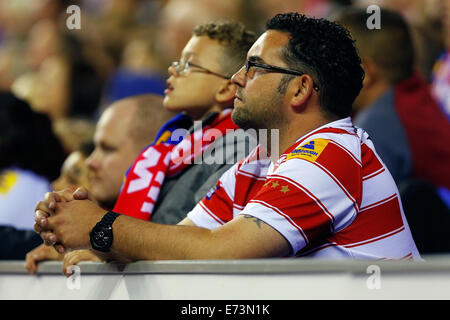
column 329, row 195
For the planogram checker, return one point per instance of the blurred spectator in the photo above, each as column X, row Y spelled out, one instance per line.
column 179, row 17
column 395, row 105
column 11, row 64
column 405, row 123
column 138, row 72
column 423, row 18
column 427, row 31
column 441, row 79
column 74, row 171
column 17, row 17
column 15, row 243
column 74, row 132
column 441, row 82
column 61, row 82
column 124, row 128
column 31, row 157
column 441, row 72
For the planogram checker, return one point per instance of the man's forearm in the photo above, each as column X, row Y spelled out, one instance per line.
column 241, row 238
column 138, row 240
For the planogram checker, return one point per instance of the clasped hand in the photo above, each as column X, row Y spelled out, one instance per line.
column 65, row 219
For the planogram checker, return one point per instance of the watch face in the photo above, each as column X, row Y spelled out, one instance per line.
column 101, row 238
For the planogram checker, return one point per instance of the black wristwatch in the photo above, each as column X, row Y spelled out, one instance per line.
column 102, row 234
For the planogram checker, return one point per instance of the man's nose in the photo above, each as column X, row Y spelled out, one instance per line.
column 239, row 77
column 91, row 161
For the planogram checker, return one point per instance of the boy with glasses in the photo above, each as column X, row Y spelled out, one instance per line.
column 163, row 190
column 162, row 186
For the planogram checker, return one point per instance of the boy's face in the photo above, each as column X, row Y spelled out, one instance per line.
column 195, row 90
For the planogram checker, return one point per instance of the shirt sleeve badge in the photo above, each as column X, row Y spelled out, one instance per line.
column 309, row 151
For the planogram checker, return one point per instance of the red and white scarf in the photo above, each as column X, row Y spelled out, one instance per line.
column 146, row 176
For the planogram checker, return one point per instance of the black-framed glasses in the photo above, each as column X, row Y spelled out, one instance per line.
column 276, row 69
column 183, row 68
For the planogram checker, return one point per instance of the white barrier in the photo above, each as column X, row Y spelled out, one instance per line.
column 267, row 279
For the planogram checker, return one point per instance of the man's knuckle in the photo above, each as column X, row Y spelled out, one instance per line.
column 39, row 205
column 38, row 228
column 37, row 215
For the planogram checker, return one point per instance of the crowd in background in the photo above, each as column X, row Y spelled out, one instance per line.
column 124, row 47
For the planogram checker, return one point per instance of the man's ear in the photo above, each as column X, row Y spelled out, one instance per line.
column 226, row 92
column 303, row 87
column 370, row 70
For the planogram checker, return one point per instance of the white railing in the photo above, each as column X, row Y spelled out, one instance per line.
column 266, row 279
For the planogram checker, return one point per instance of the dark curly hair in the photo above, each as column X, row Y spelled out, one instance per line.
column 27, row 140
column 326, row 51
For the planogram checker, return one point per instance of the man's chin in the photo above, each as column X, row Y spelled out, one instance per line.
column 107, row 202
column 99, row 193
column 241, row 119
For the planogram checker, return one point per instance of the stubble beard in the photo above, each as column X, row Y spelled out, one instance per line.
column 258, row 116
column 242, row 118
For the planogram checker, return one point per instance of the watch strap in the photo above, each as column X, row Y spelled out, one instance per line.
column 109, row 218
